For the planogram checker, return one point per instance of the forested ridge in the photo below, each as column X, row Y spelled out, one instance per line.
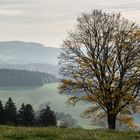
column 24, row 78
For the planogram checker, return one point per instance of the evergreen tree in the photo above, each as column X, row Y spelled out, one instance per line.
column 20, row 116
column 1, row 113
column 47, row 117
column 10, row 112
column 26, row 115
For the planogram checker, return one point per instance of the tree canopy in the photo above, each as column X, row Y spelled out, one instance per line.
column 100, row 64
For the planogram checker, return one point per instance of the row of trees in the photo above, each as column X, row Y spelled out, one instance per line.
column 25, row 116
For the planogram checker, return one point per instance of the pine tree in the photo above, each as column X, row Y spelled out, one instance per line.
column 26, row 115
column 10, row 112
column 20, row 116
column 47, row 117
column 1, row 113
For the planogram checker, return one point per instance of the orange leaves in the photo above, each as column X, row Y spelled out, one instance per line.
column 67, row 82
column 72, row 100
column 89, row 98
column 137, row 34
column 128, row 120
column 72, row 82
column 89, row 82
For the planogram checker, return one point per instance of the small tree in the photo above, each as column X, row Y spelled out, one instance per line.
column 101, row 65
column 10, row 112
column 47, row 117
column 1, row 113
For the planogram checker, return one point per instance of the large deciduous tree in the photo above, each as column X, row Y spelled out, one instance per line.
column 100, row 64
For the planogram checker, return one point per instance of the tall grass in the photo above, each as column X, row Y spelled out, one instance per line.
column 28, row 133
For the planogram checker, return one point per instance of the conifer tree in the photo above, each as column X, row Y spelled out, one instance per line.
column 1, row 113
column 10, row 112
column 26, row 115
column 21, row 114
column 47, row 117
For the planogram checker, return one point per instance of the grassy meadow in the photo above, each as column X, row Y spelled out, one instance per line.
column 23, row 133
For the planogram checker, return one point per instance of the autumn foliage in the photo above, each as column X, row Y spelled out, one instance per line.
column 100, row 64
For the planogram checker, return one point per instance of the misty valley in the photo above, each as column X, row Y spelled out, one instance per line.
column 29, row 74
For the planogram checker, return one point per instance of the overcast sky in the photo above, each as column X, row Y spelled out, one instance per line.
column 46, row 21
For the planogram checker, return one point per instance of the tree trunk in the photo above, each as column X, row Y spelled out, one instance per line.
column 112, row 121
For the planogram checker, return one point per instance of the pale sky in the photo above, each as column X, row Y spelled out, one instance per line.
column 46, row 21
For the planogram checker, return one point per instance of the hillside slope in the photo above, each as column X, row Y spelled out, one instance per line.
column 46, row 68
column 18, row 52
column 24, row 78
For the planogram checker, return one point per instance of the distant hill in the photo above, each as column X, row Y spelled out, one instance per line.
column 29, row 56
column 46, row 68
column 18, row 52
column 24, row 78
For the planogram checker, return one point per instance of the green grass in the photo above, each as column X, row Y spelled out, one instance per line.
column 26, row 133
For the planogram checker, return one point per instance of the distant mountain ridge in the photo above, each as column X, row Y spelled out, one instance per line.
column 29, row 56
column 24, row 78
column 18, row 52
column 46, row 68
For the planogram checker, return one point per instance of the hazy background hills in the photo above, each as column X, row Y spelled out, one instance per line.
column 17, row 52
column 29, row 56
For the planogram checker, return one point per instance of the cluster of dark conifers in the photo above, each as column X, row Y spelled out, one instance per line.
column 26, row 115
